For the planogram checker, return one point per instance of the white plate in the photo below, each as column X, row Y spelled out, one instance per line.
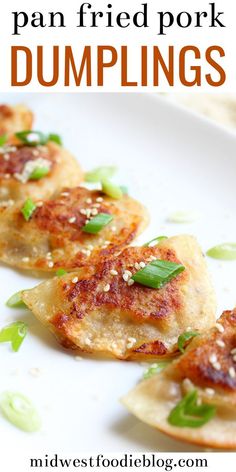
column 171, row 160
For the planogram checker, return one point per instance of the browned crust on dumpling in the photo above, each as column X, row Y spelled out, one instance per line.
column 53, row 238
column 14, row 119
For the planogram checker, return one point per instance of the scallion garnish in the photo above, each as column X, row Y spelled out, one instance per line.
column 183, row 217
column 158, row 273
column 155, row 241
column 97, row 223
column 111, row 189
column 225, row 251
column 36, row 138
column 55, row 138
column 188, row 414
column 100, row 173
column 184, row 338
column 3, row 140
column 15, row 334
column 61, row 272
column 39, row 173
column 155, row 369
column 15, row 301
column 20, row 411
column 28, row 208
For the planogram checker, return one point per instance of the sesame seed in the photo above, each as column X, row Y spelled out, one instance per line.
column 217, row 366
column 50, row 264
column 65, row 194
column 219, row 327
column 113, row 228
column 7, row 176
column 87, row 341
column 75, row 280
column 88, row 212
column 153, row 258
column 96, row 205
column 39, row 204
column 220, row 343
column 142, row 265
column 107, row 288
column 131, row 342
column 125, row 277
column 6, row 157
column 210, row 391
column 82, row 211
column 137, row 266
column 86, row 252
column 213, row 358
column 232, row 372
column 25, row 259
column 94, row 211
column 99, row 199
column 128, row 273
column 113, row 272
column 88, row 200
column 130, row 282
column 72, row 219
column 35, row 152
column 233, row 351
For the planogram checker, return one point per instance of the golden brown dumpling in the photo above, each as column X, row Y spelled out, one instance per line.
column 14, row 119
column 18, row 162
column 53, row 237
column 209, row 367
column 96, row 309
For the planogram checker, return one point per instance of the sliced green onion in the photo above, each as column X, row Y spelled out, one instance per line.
column 188, row 414
column 184, row 337
column 32, row 138
column 124, row 189
column 111, row 189
column 3, row 140
column 97, row 223
column 100, row 173
column 158, row 273
column 155, row 369
column 225, row 251
column 15, row 301
column 39, row 173
column 15, row 334
column 28, row 208
column 183, row 217
column 20, row 411
column 155, row 241
column 61, row 272
column 55, row 138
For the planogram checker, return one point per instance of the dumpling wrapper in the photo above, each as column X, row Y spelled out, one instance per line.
column 95, row 310
column 153, row 399
column 53, row 237
column 17, row 163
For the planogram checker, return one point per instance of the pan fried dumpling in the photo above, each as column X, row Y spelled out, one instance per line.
column 208, row 369
column 53, row 237
column 14, row 119
column 35, row 171
column 100, row 309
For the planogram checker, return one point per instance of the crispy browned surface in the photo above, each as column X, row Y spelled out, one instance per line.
column 14, row 119
column 50, row 239
column 127, row 321
column 64, row 170
column 153, row 399
column 195, row 363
